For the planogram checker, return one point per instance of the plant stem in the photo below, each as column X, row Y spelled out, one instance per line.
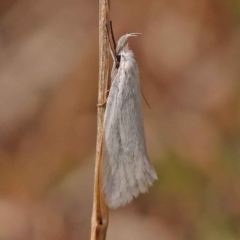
column 100, row 211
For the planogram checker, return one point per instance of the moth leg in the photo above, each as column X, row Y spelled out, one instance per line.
column 102, row 104
column 114, row 71
column 145, row 99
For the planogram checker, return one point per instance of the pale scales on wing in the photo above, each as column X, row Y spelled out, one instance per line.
column 126, row 167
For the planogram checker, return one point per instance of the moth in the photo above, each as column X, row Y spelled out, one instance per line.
column 126, row 169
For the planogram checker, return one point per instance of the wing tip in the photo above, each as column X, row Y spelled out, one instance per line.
column 127, row 197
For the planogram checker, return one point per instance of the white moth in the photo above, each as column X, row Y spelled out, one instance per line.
column 126, row 168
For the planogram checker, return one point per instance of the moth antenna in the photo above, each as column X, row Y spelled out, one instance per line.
column 113, row 51
column 113, row 39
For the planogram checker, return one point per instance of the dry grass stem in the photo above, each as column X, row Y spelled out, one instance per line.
column 100, row 211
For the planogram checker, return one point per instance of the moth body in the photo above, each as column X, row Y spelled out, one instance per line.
column 126, row 167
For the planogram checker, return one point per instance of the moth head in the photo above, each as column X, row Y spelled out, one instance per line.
column 122, row 41
column 118, row 61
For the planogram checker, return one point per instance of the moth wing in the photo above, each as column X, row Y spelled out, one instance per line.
column 126, row 168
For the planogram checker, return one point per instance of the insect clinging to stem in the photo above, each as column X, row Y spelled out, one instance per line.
column 126, row 169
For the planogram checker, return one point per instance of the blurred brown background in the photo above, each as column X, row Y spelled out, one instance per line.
column 188, row 57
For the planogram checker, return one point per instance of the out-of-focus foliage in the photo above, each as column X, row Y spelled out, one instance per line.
column 188, row 57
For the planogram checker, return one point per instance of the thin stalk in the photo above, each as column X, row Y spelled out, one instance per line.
column 99, row 222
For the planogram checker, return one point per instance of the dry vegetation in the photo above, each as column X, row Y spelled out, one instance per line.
column 188, row 58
